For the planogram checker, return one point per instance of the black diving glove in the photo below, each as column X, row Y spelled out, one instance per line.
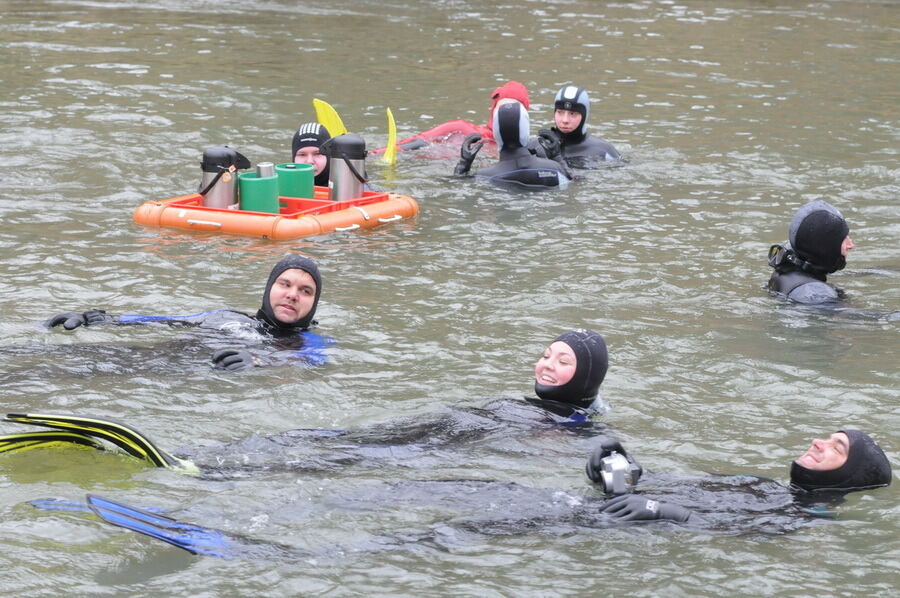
column 72, row 320
column 233, row 360
column 470, row 147
column 611, row 467
column 632, row 507
column 551, row 143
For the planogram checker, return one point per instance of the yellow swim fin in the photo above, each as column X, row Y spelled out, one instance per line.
column 31, row 440
column 329, row 118
column 122, row 435
column 390, row 154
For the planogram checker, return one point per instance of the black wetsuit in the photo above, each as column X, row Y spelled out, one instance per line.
column 518, row 166
column 291, row 340
column 813, row 250
column 803, row 287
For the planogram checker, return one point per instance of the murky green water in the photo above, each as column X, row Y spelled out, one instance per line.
column 731, row 116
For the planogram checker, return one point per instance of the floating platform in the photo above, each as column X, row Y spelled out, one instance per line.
column 297, row 217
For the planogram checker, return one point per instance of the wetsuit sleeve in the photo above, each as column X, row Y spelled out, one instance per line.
column 312, row 353
column 632, row 507
column 72, row 320
column 814, row 292
column 209, row 319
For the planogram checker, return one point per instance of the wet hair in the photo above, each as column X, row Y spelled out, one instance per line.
column 866, row 467
column 298, row 262
column 591, row 363
column 816, row 234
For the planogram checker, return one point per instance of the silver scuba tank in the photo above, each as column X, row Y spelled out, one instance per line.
column 347, row 166
column 218, row 185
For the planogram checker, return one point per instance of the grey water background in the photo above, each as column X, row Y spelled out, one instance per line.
column 732, row 115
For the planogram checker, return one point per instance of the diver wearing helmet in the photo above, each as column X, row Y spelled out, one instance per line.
column 847, row 461
column 571, row 109
column 819, row 240
column 517, row 167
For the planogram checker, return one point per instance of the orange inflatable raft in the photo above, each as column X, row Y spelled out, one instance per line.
column 297, row 217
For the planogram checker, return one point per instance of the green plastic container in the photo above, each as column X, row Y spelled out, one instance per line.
column 295, row 180
column 258, row 194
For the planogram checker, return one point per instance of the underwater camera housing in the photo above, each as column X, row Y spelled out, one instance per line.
column 617, row 474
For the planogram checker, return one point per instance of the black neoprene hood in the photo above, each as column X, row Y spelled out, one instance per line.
column 591, row 363
column 866, row 467
column 288, row 263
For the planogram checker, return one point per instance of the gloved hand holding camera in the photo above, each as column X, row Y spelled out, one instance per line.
column 611, row 467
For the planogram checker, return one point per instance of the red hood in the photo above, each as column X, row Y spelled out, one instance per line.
column 511, row 89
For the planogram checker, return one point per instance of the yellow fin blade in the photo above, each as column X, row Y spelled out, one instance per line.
column 329, row 118
column 390, row 154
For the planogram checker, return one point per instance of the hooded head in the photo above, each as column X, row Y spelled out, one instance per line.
column 511, row 126
column 816, row 234
column 312, row 135
column 574, row 99
column 866, row 467
column 298, row 262
column 512, row 90
column 591, row 363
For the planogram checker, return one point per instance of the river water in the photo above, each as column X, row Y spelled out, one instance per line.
column 731, row 115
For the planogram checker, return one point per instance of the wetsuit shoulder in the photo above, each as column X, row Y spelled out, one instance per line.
column 802, row 287
column 591, row 147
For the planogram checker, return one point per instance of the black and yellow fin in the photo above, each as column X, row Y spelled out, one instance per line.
column 122, row 435
column 31, row 440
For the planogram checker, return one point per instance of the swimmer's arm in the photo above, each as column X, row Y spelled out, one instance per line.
column 98, row 317
column 312, row 353
column 470, row 147
column 633, row 507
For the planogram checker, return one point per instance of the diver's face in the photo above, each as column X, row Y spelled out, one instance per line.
column 310, row 155
column 567, row 120
column 825, row 455
column 556, row 366
column 847, row 245
column 292, row 296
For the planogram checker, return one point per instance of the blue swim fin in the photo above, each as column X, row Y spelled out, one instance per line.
column 190, row 537
column 59, row 504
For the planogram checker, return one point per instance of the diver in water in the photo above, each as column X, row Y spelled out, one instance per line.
column 305, row 146
column 453, row 132
column 517, row 166
column 847, row 461
column 289, row 304
column 819, row 240
column 567, row 380
column 572, row 107
column 568, row 375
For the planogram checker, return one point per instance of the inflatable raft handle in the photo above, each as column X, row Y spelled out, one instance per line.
column 206, row 222
column 343, row 229
column 393, row 218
